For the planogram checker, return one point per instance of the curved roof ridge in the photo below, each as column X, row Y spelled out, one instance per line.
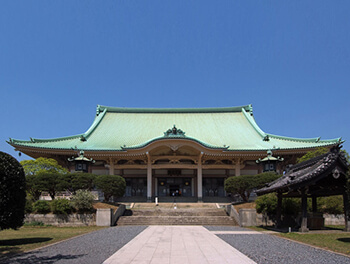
column 41, row 140
column 175, row 137
column 252, row 121
column 315, row 140
column 247, row 108
column 96, row 122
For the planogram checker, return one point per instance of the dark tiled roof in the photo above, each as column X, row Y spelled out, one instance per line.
column 309, row 172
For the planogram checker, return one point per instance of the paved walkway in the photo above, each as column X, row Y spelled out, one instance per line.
column 178, row 244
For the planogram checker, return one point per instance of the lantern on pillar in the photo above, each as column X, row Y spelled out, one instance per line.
column 81, row 162
column 269, row 163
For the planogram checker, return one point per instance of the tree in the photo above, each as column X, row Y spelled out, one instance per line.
column 50, row 182
column 33, row 187
column 82, row 181
column 32, row 167
column 245, row 184
column 312, row 154
column 12, row 192
column 110, row 185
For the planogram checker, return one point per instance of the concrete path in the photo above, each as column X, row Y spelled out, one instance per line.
column 177, row 244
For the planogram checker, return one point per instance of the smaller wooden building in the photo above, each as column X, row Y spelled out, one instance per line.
column 325, row 175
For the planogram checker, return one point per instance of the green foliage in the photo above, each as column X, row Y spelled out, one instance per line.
column 312, row 154
column 82, row 201
column 266, row 177
column 39, row 175
column 245, row 184
column 28, row 207
column 61, row 206
column 33, row 167
column 82, row 181
column 33, row 187
column 267, row 204
column 35, row 223
column 331, row 205
column 41, row 207
column 12, row 192
column 110, row 185
column 76, row 181
column 50, row 182
column 292, row 206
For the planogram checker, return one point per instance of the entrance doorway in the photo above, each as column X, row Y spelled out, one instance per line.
column 175, row 186
column 136, row 187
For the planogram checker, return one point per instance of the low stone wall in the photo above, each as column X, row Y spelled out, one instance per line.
column 263, row 220
column 62, row 220
column 247, row 217
column 331, row 219
column 105, row 217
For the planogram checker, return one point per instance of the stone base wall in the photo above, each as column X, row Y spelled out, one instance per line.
column 331, row 219
column 62, row 220
column 247, row 217
column 262, row 220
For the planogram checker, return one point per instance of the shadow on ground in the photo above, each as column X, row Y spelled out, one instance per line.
column 31, row 258
column 9, row 247
column 23, row 241
column 344, row 239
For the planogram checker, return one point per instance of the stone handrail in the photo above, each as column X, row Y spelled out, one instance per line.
column 233, row 213
column 106, row 217
column 120, row 211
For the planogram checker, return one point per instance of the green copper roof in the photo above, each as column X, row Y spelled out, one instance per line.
column 229, row 128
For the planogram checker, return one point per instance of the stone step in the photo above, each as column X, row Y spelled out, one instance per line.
column 176, row 220
column 176, row 212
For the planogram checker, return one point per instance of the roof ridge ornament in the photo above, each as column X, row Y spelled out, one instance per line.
column 174, row 132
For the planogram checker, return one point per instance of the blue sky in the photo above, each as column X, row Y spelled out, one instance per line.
column 59, row 59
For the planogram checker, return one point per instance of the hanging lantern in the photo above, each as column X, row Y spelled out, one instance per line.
column 269, row 162
column 81, row 162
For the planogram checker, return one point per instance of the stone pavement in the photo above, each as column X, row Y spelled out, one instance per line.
column 178, row 244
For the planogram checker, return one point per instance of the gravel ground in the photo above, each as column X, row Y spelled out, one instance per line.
column 269, row 249
column 92, row 248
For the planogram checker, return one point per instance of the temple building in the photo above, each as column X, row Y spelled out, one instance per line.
column 161, row 152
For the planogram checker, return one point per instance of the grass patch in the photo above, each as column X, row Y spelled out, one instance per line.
column 332, row 238
column 337, row 242
column 250, row 205
column 30, row 237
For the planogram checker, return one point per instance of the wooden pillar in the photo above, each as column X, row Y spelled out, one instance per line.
column 200, row 179
column 346, row 211
column 111, row 167
column 314, row 204
column 149, row 178
column 303, row 227
column 238, row 167
column 279, row 210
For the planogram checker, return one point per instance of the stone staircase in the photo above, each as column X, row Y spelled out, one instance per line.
column 161, row 216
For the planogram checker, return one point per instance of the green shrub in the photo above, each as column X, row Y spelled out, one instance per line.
column 82, row 201
column 331, row 205
column 29, row 206
column 35, row 223
column 12, row 192
column 41, row 207
column 110, row 185
column 312, row 154
column 61, row 206
column 245, row 184
column 267, row 204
